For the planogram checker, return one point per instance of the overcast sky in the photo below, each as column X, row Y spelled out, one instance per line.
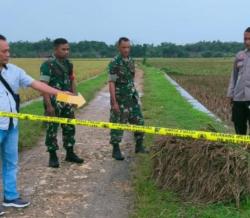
column 144, row 21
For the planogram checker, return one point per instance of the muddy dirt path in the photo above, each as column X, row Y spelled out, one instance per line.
column 100, row 188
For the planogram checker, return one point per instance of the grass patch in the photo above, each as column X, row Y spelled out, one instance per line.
column 163, row 106
column 34, row 130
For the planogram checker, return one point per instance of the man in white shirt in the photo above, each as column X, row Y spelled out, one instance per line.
column 15, row 78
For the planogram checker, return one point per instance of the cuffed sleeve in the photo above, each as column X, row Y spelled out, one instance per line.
column 24, row 79
column 45, row 72
column 112, row 72
column 232, row 82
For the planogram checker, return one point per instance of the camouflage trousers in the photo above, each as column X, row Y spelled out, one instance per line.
column 130, row 112
column 68, row 131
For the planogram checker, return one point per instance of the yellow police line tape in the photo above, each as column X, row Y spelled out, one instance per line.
column 211, row 136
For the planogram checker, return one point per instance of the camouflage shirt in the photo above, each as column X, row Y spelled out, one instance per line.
column 58, row 74
column 122, row 73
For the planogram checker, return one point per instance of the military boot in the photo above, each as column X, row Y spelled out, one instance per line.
column 139, row 148
column 53, row 160
column 72, row 157
column 116, row 154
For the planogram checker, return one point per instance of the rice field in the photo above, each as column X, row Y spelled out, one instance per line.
column 84, row 69
column 194, row 66
column 206, row 79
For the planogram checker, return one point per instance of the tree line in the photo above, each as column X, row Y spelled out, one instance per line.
column 96, row 49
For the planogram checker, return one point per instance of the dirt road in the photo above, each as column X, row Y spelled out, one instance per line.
column 100, row 188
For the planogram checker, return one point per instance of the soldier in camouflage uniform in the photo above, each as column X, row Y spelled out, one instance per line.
column 124, row 98
column 58, row 73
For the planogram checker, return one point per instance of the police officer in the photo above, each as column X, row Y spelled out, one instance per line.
column 58, row 73
column 239, row 87
column 124, row 98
